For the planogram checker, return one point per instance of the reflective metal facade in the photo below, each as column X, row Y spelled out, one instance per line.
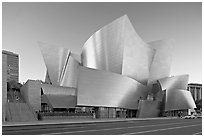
column 55, row 59
column 161, row 64
column 59, row 97
column 178, row 99
column 176, row 82
column 104, row 49
column 137, row 55
column 61, row 65
column 57, row 90
column 118, row 48
column 69, row 76
column 101, row 88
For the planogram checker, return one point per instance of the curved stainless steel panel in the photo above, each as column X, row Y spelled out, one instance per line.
column 59, row 97
column 54, row 57
column 118, row 48
column 137, row 56
column 178, row 99
column 160, row 67
column 104, row 49
column 61, row 65
column 176, row 82
column 57, row 90
column 61, row 101
column 76, row 57
column 101, row 88
column 69, row 78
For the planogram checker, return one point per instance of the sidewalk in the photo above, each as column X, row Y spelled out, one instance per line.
column 79, row 121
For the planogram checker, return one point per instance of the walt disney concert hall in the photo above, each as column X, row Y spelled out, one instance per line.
column 116, row 75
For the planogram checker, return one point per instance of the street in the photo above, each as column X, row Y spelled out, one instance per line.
column 131, row 127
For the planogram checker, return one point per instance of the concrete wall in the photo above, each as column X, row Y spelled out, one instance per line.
column 31, row 92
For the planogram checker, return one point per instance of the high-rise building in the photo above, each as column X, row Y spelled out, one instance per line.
column 10, row 71
column 11, row 63
column 196, row 90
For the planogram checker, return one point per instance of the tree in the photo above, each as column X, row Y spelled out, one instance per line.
column 13, row 85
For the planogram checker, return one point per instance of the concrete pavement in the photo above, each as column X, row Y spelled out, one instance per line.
column 79, row 121
column 126, row 127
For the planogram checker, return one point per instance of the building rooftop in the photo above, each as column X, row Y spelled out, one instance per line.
column 195, row 84
column 9, row 52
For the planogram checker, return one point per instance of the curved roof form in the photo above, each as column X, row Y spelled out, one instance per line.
column 118, row 48
column 178, row 99
column 115, row 48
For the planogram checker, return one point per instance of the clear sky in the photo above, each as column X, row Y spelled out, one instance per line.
column 71, row 24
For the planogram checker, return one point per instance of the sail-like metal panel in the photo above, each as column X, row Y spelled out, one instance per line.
column 137, row 56
column 102, row 88
column 176, row 82
column 178, row 99
column 55, row 58
column 61, row 65
column 118, row 48
column 69, row 78
column 161, row 64
column 104, row 49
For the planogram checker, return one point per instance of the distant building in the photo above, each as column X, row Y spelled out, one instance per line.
column 196, row 90
column 10, row 71
column 11, row 63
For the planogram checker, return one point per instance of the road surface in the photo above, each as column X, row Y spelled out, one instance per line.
column 132, row 127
